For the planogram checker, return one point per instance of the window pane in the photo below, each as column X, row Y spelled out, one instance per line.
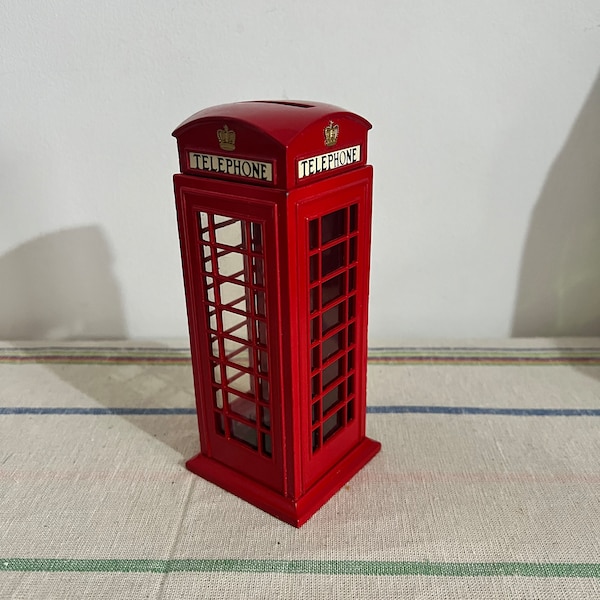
column 332, row 425
column 333, row 225
column 231, row 264
column 333, row 371
column 332, row 345
column 238, row 380
column 314, row 268
column 244, row 408
column 244, row 433
column 263, row 390
column 353, row 218
column 334, row 288
column 266, row 444
column 219, row 423
column 315, row 329
column 257, row 238
column 233, row 295
column 333, row 258
column 333, row 397
column 313, row 234
column 265, row 418
column 314, row 299
column 333, row 317
column 229, row 234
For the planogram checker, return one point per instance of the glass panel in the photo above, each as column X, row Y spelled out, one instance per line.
column 314, row 299
column 218, row 398
column 217, row 373
column 334, row 288
column 219, row 423
column 261, row 332
column 203, row 225
column 352, row 249
column 332, row 345
column 352, row 280
column 333, row 258
column 266, row 444
column 332, row 425
column 231, row 264
column 316, row 413
column 333, row 317
column 316, row 439
column 209, row 286
column 333, row 225
column 260, row 304
column 237, row 353
column 263, row 390
column 333, row 371
column 257, row 238
column 263, row 362
column 203, row 220
column 244, row 433
column 205, row 257
column 351, row 307
column 233, row 294
column 315, row 329
column 234, row 324
column 315, row 358
column 258, row 266
column 313, row 234
column 229, row 234
column 350, row 409
column 350, row 385
column 316, row 386
column 333, row 397
column 218, row 219
column 351, row 338
column 265, row 418
column 238, row 380
column 353, row 218
column 314, row 267
column 210, row 294
column 244, row 408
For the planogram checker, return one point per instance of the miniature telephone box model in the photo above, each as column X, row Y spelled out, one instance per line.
column 274, row 213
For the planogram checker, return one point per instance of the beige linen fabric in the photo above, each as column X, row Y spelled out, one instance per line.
column 488, row 484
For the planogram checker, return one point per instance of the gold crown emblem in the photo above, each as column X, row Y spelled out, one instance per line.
column 226, row 138
column 331, row 133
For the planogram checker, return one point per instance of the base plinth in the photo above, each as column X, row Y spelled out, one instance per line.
column 295, row 511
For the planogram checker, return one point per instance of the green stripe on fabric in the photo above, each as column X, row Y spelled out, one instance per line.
column 311, row 567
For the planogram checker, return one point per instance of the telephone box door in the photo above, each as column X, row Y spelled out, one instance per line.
column 333, row 243
column 230, row 247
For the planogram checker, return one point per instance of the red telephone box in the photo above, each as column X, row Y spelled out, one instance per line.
column 274, row 214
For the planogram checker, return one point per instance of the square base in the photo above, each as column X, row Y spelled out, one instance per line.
column 293, row 511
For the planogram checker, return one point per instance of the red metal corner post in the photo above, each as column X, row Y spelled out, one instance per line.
column 274, row 214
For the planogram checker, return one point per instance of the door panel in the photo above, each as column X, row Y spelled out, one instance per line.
column 333, row 232
column 231, row 250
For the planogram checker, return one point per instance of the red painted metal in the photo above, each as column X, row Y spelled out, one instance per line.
column 274, row 213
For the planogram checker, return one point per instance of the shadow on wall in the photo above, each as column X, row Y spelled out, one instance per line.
column 559, row 286
column 60, row 286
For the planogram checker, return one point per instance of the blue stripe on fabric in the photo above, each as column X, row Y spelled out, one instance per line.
column 435, row 410
column 477, row 410
column 41, row 410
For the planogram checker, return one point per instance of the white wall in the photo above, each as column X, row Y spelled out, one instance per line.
column 486, row 148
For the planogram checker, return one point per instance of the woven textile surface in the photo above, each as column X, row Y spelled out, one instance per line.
column 487, row 486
